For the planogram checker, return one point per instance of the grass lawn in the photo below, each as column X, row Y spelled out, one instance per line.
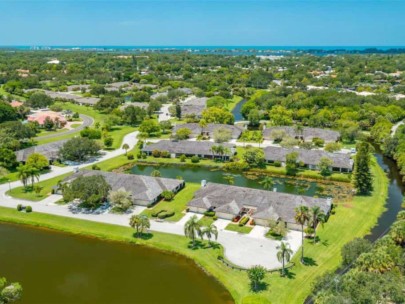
column 206, row 221
column 178, row 204
column 354, row 219
column 235, row 100
column 237, row 228
column 22, row 193
column 44, row 132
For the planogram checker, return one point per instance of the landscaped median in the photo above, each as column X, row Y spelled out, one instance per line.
column 351, row 220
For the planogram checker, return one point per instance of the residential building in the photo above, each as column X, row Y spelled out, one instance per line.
column 194, row 107
column 41, row 116
column 209, row 130
column 304, row 133
column 49, row 150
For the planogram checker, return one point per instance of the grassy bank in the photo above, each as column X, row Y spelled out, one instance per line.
column 354, row 219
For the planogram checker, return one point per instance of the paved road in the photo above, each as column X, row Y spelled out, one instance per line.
column 395, row 127
column 87, row 121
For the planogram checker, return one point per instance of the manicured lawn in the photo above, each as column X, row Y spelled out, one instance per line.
column 353, row 219
column 178, row 204
column 237, row 228
column 45, row 132
column 22, row 193
column 206, row 221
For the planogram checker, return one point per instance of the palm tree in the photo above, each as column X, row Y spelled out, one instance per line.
column 227, row 151
column 317, row 216
column 23, row 175
column 192, row 228
column 302, row 217
column 203, row 124
column 267, row 182
column 210, row 231
column 125, row 147
column 34, row 174
column 284, row 255
column 140, row 223
column 214, row 150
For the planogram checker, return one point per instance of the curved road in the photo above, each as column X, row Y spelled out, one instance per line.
column 87, row 121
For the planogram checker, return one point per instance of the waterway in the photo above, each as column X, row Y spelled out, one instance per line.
column 236, row 110
column 55, row 267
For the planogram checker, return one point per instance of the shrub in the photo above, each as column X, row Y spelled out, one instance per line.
column 156, row 153
column 155, row 214
column 277, row 164
column 168, row 195
column 90, row 133
column 236, row 166
column 195, row 159
column 28, row 209
column 309, row 231
column 209, row 213
column 95, row 167
column 318, row 141
column 130, row 156
column 243, row 221
column 164, row 154
column 19, row 207
column 165, row 214
column 183, row 158
column 215, row 217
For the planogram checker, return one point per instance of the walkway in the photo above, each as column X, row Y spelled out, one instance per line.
column 87, row 121
column 395, row 127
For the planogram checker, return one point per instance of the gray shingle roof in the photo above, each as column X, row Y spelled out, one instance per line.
column 210, row 128
column 309, row 157
column 268, row 205
column 307, row 133
column 185, row 147
column 145, row 188
column 50, row 151
column 194, row 106
column 142, row 105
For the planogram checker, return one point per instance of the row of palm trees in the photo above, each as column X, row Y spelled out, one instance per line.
column 220, row 150
column 27, row 174
column 193, row 229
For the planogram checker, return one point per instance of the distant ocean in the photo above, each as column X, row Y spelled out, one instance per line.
column 259, row 50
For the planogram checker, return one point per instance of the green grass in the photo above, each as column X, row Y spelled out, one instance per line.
column 237, row 228
column 234, row 101
column 44, row 132
column 206, row 221
column 354, row 219
column 22, row 193
column 178, row 204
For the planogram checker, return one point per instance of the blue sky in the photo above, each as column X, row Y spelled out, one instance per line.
column 203, row 22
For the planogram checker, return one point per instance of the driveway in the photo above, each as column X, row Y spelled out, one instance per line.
column 87, row 121
column 164, row 113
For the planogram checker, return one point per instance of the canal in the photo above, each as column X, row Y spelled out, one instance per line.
column 61, row 268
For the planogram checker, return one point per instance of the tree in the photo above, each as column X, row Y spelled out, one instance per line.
column 363, row 179
column 284, row 254
column 168, row 195
column 9, row 292
column 256, row 274
column 178, row 111
column 39, row 100
column 107, row 104
column 316, row 216
column 222, row 135
column 182, row 133
column 120, row 200
column 192, row 229
column 254, row 158
column 352, row 250
column 166, row 126
column 7, row 112
column 218, row 115
column 325, row 165
column 38, row 161
column 3, row 172
column 333, row 147
column 38, row 189
column 49, row 124
column 280, row 116
column 291, row 163
column 210, row 231
column 139, row 223
column 133, row 115
column 203, row 124
column 7, row 158
column 149, row 127
column 267, row 182
column 125, row 147
column 254, row 117
column 78, row 149
column 23, row 175
column 108, row 141
column 302, row 217
column 90, row 190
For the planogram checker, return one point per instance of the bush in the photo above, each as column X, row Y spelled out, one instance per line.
column 277, row 164
column 19, row 207
column 183, row 158
column 209, row 213
column 165, row 214
column 130, row 156
column 195, row 159
column 155, row 214
column 236, row 166
column 167, row 195
column 244, row 221
column 156, row 153
column 95, row 167
column 164, row 154
column 90, row 133
column 318, row 142
column 215, row 217
column 28, row 209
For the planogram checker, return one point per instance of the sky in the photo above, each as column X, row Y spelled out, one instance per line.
column 203, row 22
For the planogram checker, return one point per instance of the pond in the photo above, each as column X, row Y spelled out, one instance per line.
column 60, row 268
column 197, row 174
column 236, row 110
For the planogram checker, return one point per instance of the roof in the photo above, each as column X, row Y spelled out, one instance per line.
column 16, row 104
column 269, row 205
column 309, row 157
column 42, row 115
column 50, row 150
column 185, row 147
column 210, row 128
column 142, row 105
column 307, row 133
column 194, row 106
column 141, row 187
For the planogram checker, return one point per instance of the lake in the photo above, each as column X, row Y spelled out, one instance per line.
column 55, row 267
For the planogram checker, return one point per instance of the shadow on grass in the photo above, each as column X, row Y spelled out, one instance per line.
column 288, row 274
column 261, row 286
column 143, row 236
column 198, row 244
column 310, row 262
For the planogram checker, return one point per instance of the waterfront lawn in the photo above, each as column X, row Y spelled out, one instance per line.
column 238, row 229
column 178, row 204
column 30, row 195
column 354, row 219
